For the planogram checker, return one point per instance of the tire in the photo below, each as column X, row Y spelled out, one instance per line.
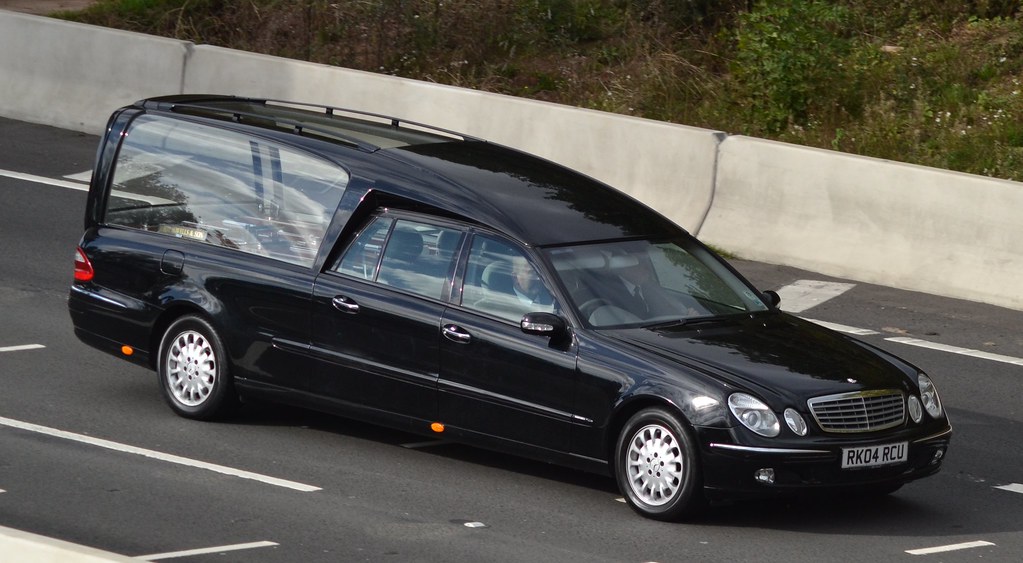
column 658, row 468
column 194, row 373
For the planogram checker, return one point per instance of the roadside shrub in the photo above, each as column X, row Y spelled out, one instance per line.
column 788, row 62
column 934, row 83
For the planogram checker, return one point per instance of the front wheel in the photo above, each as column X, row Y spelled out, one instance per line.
column 657, row 466
column 194, row 376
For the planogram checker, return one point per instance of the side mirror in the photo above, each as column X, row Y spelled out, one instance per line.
column 544, row 324
column 772, row 298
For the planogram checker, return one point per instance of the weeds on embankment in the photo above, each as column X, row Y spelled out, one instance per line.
column 935, row 83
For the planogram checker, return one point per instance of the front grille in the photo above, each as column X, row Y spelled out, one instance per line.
column 862, row 411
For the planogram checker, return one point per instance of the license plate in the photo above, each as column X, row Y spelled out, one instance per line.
column 875, row 456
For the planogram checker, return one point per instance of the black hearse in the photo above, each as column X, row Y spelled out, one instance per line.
column 436, row 283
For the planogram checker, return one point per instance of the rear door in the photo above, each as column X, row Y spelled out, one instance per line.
column 222, row 220
column 377, row 315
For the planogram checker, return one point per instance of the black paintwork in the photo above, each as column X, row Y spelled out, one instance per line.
column 560, row 399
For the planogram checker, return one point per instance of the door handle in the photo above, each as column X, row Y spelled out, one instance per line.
column 456, row 334
column 344, row 304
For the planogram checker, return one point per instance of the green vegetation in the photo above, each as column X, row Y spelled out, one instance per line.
column 934, row 83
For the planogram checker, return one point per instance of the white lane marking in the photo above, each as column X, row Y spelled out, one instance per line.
column 922, row 343
column 957, row 350
column 170, row 458
column 620, row 499
column 944, row 548
column 1012, row 488
column 804, row 294
column 84, row 177
column 22, row 347
column 843, row 328
column 205, row 551
column 475, row 525
column 43, row 180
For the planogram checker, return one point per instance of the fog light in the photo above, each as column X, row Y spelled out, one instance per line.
column 765, row 476
column 938, row 454
column 796, row 423
column 916, row 412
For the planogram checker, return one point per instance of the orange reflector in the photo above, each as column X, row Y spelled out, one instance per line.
column 127, row 350
column 437, row 427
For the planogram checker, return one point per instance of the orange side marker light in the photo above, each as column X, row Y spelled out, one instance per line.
column 127, row 350
column 437, row 427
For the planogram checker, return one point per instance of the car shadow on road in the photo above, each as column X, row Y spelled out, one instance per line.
column 944, row 505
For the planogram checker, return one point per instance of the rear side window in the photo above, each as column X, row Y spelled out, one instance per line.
column 221, row 187
column 410, row 255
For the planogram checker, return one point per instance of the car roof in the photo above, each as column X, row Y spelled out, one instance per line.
column 539, row 202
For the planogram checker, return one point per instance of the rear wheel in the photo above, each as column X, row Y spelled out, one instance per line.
column 194, row 374
column 657, row 466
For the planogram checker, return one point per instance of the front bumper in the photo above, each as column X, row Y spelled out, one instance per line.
column 729, row 469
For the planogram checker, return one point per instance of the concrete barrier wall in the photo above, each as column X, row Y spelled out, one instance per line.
column 865, row 219
column 72, row 76
column 669, row 166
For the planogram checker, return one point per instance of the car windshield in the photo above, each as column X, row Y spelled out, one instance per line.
column 650, row 283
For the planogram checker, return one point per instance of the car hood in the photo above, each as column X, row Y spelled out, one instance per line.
column 775, row 353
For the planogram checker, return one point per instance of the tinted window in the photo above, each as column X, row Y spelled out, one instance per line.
column 362, row 259
column 417, row 257
column 501, row 282
column 641, row 282
column 224, row 188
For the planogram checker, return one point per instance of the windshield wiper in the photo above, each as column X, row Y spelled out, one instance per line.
column 666, row 324
column 676, row 323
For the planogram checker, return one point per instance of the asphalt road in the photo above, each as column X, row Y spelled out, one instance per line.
column 70, row 416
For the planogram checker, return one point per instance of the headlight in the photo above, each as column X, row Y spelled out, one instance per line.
column 754, row 414
column 929, row 396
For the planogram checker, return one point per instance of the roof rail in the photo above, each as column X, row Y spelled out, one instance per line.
column 207, row 105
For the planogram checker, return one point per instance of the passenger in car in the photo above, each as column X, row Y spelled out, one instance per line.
column 527, row 285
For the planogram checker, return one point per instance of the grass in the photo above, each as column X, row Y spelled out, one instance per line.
column 935, row 83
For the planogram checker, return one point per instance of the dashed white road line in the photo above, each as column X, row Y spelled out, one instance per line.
column 946, row 548
column 84, row 177
column 205, row 551
column 843, row 328
column 801, row 295
column 43, row 180
column 957, row 350
column 157, row 455
column 1012, row 488
column 21, row 348
column 809, row 293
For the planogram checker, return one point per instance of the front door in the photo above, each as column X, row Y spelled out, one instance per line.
column 496, row 382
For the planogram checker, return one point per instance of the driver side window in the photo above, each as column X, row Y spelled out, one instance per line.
column 500, row 281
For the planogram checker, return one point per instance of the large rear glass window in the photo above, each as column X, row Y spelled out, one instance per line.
column 221, row 187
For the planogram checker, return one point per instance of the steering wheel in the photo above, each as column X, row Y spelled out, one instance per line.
column 590, row 305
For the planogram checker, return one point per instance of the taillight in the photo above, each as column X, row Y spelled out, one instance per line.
column 83, row 268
